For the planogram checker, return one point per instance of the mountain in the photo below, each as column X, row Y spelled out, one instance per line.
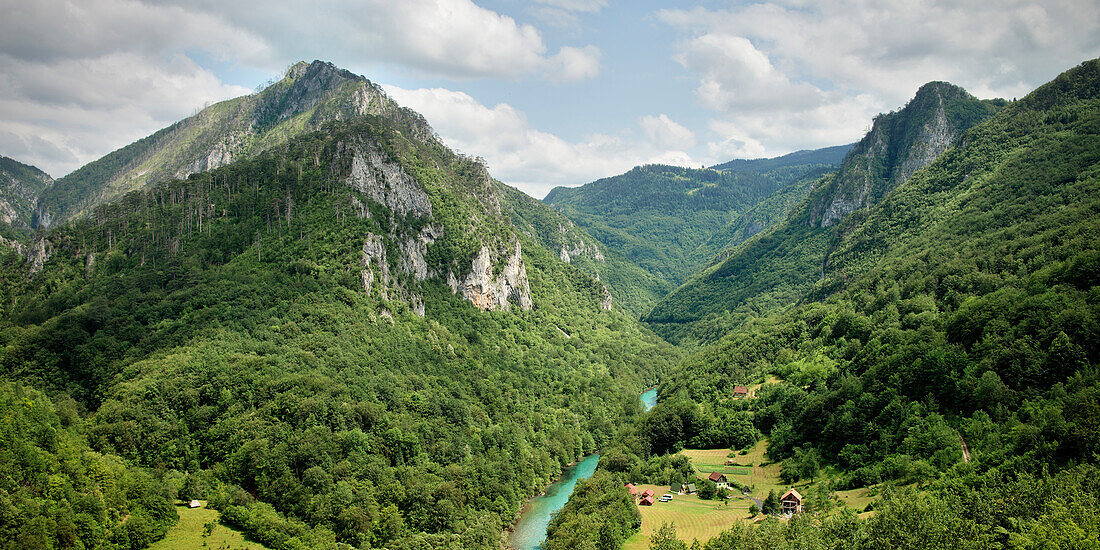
column 20, row 187
column 963, row 303
column 947, row 363
column 353, row 337
column 303, row 101
column 827, row 155
column 671, row 221
column 778, row 266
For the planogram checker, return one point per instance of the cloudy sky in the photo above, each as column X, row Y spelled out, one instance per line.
column 549, row 92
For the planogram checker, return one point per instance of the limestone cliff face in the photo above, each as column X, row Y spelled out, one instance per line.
column 383, row 180
column 36, row 253
column 489, row 293
column 20, row 187
column 898, row 145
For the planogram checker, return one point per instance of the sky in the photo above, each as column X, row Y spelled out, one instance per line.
column 548, row 92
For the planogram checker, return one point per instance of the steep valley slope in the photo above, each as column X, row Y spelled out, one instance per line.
column 779, row 265
column 671, row 221
column 354, row 336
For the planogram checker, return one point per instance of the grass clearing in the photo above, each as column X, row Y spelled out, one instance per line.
column 188, row 533
column 772, row 379
column 694, row 517
column 752, row 468
column 856, row 499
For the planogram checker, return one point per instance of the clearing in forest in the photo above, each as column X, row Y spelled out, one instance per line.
column 752, row 468
column 694, row 517
column 189, row 533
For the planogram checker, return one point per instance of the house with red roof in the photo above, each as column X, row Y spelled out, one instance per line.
column 791, row 502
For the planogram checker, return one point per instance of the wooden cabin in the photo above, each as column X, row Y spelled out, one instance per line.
column 719, row 479
column 791, row 502
column 740, row 391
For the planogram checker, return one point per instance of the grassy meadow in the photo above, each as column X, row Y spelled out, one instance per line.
column 189, row 533
column 694, row 517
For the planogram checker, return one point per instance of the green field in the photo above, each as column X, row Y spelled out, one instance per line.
column 753, row 468
column 704, row 519
column 188, row 533
column 694, row 518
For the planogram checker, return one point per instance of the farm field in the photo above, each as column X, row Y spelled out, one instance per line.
column 188, row 533
column 753, row 468
column 694, row 518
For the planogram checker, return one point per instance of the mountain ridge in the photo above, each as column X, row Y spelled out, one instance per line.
column 780, row 265
column 670, row 221
column 304, row 99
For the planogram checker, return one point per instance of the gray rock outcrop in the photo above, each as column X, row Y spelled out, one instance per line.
column 495, row 293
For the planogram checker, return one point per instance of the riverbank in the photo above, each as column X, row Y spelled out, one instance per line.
column 529, row 530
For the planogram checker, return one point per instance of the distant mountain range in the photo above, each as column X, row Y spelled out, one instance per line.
column 672, row 221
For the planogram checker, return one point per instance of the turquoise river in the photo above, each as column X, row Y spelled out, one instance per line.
column 530, row 530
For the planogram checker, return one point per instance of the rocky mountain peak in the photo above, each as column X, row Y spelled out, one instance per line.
column 899, row 144
column 309, row 96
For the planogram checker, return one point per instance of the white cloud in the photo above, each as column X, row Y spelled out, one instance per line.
column 575, row 5
column 572, row 64
column 792, row 74
column 71, row 112
column 666, row 133
column 530, row 159
column 450, row 38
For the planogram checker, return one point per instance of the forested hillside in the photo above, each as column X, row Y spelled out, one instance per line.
column 671, row 221
column 960, row 310
column 778, row 266
column 55, row 492
column 345, row 339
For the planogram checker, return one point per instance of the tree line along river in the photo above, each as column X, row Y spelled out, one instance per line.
column 530, row 529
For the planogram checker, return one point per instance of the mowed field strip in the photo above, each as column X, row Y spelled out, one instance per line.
column 749, row 469
column 694, row 517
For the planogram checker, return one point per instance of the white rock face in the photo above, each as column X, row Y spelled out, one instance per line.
column 384, row 181
column 374, row 255
column 936, row 137
column 413, row 250
column 852, row 193
column 488, row 293
column 38, row 253
column 581, row 248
